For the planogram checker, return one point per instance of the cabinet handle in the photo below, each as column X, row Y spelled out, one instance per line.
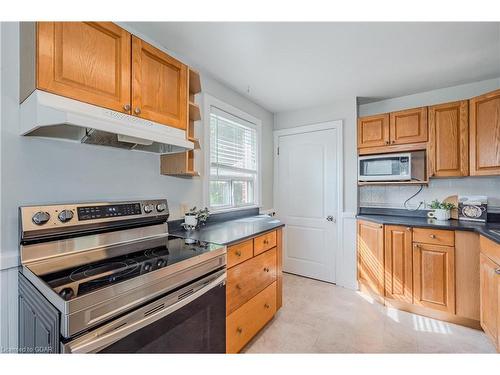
column 266, row 305
column 238, row 253
column 432, row 235
column 239, row 330
column 238, row 286
column 386, row 142
column 393, row 141
column 266, row 269
column 126, row 107
column 417, row 246
column 497, row 271
column 266, row 241
column 137, row 111
column 408, row 229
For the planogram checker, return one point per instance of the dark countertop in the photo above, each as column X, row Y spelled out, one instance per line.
column 231, row 231
column 423, row 222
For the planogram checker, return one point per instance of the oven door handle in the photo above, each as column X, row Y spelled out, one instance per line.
column 103, row 337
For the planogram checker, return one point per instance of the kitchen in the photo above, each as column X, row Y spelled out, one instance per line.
column 323, row 233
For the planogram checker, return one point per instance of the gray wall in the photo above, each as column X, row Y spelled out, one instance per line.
column 394, row 196
column 37, row 171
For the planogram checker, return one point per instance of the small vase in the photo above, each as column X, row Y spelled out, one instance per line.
column 439, row 214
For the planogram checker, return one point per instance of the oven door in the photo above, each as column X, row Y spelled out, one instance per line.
column 189, row 320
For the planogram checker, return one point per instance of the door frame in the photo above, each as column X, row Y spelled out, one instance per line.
column 315, row 127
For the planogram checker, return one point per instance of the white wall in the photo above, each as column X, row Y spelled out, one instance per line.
column 394, row 196
column 344, row 110
column 37, row 171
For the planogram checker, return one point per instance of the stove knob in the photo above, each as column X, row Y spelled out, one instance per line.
column 148, row 208
column 65, row 216
column 147, row 267
column 40, row 218
column 161, row 207
column 160, row 263
column 66, row 293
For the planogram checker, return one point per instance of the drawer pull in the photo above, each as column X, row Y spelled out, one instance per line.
column 266, row 241
column 266, row 305
column 238, row 253
column 266, row 269
column 239, row 330
column 417, row 246
column 432, row 235
column 238, row 286
column 497, row 271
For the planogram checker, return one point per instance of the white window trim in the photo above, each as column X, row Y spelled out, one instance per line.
column 209, row 101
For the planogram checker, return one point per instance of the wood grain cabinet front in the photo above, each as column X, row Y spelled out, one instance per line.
column 484, row 127
column 434, row 277
column 249, row 319
column 247, row 279
column 239, row 253
column 159, row 86
column 264, row 242
column 434, row 236
column 370, row 244
column 85, row 61
column 398, row 263
column 448, row 153
column 373, row 131
column 408, row 126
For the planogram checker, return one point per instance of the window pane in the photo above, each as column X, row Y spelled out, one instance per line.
column 220, row 193
column 243, row 192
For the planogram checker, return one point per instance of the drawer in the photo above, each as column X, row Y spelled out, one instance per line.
column 249, row 319
column 264, row 242
column 239, row 253
column 490, row 249
column 434, row 236
column 247, row 279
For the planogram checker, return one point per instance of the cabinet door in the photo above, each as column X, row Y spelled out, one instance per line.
column 86, row 61
column 489, row 295
column 373, row 131
column 370, row 243
column 434, row 277
column 484, row 127
column 159, row 86
column 409, row 126
column 398, row 261
column 449, row 139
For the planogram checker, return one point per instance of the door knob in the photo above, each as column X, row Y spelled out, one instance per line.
column 137, row 111
column 126, row 107
column 330, row 218
column 497, row 271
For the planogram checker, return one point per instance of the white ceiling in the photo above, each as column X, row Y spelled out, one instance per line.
column 297, row 65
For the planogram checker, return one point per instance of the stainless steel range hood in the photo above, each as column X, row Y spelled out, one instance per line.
column 53, row 116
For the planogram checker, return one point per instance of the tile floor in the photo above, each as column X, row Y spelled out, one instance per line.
column 318, row 317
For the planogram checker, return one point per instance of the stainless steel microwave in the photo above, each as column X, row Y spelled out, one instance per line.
column 386, row 167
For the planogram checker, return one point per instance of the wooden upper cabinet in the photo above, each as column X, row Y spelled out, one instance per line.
column 398, row 263
column 434, row 277
column 490, row 298
column 370, row 243
column 159, row 85
column 449, row 139
column 86, row 61
column 484, row 127
column 373, row 131
column 409, row 126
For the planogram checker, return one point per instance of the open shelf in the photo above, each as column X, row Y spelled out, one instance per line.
column 194, row 112
column 180, row 164
column 393, row 183
column 194, row 82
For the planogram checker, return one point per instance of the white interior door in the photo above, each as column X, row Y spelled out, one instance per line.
column 307, row 195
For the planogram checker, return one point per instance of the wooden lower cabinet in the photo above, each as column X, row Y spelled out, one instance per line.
column 398, row 263
column 490, row 290
column 434, row 277
column 370, row 243
column 245, row 322
column 254, row 287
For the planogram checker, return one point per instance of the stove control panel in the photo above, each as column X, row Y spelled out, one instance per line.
column 65, row 217
column 101, row 212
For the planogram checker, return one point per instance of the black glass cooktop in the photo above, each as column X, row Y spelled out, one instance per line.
column 80, row 280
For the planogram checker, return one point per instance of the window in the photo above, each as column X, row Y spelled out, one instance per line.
column 233, row 177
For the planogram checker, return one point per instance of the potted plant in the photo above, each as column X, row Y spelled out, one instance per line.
column 194, row 217
column 442, row 210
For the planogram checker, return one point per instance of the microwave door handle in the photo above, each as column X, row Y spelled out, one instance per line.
column 93, row 341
